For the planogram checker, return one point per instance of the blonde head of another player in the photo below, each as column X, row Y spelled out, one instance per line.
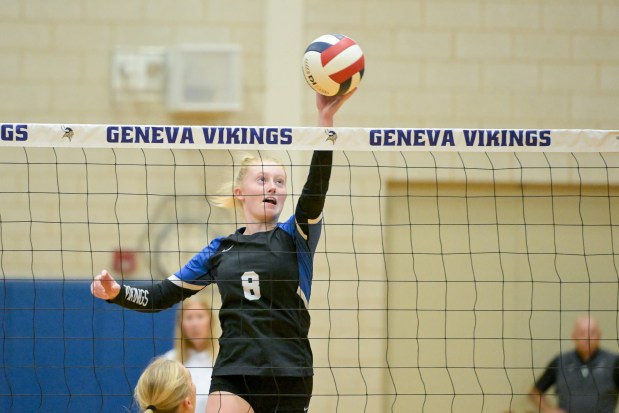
column 165, row 386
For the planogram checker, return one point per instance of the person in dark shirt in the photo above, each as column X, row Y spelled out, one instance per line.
column 586, row 380
column 263, row 272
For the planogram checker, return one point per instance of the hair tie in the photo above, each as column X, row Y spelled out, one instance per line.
column 151, row 407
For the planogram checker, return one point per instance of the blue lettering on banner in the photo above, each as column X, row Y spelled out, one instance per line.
column 212, row 135
column 507, row 137
column 472, row 137
column 11, row 132
column 412, row 137
column 149, row 134
column 247, row 136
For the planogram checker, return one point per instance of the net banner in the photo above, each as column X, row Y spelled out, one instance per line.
column 308, row 138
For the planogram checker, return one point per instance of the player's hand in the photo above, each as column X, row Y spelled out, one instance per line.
column 104, row 286
column 328, row 106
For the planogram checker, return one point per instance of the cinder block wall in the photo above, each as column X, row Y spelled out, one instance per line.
column 482, row 64
column 464, row 63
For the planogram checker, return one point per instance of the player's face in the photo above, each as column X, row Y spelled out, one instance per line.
column 196, row 324
column 263, row 193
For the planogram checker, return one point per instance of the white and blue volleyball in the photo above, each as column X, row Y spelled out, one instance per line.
column 333, row 64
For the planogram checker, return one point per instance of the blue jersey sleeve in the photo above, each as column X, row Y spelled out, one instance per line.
column 197, row 272
column 306, row 245
column 305, row 225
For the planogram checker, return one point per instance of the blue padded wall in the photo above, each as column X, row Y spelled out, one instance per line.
column 62, row 350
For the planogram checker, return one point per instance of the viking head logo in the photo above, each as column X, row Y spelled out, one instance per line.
column 331, row 135
column 68, row 132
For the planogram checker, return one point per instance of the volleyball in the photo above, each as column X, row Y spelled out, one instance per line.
column 333, row 64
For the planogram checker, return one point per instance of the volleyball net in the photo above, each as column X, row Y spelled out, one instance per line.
column 451, row 266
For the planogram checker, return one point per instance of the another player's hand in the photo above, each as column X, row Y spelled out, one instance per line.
column 328, row 106
column 104, row 286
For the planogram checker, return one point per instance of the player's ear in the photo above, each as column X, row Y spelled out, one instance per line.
column 188, row 405
column 238, row 195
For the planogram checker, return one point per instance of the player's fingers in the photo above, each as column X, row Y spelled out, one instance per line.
column 332, row 104
column 107, row 281
column 98, row 290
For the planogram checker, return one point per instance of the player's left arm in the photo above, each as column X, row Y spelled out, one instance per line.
column 308, row 212
column 312, row 200
column 305, row 226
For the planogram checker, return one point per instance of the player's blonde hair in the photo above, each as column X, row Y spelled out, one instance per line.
column 181, row 344
column 225, row 197
column 163, row 386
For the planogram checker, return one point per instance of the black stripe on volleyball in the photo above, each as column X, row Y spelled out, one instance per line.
column 344, row 87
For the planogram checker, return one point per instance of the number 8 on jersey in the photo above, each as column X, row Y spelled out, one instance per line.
column 251, row 285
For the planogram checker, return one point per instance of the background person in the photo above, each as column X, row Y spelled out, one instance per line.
column 194, row 344
column 586, row 379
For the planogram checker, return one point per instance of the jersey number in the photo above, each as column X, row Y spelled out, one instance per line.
column 251, row 285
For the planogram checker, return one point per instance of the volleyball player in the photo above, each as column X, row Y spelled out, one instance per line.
column 193, row 343
column 263, row 272
column 166, row 386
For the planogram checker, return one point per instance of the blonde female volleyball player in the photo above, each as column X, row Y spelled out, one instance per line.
column 165, row 386
column 194, row 343
column 264, row 273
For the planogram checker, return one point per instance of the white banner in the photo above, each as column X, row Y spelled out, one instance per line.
column 308, row 138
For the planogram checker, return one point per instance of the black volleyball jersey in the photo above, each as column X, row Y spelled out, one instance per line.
column 264, row 280
column 265, row 284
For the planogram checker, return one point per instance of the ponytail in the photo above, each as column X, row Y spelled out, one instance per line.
column 163, row 386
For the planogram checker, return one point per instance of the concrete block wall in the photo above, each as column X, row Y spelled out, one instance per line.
column 441, row 63
column 482, row 64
